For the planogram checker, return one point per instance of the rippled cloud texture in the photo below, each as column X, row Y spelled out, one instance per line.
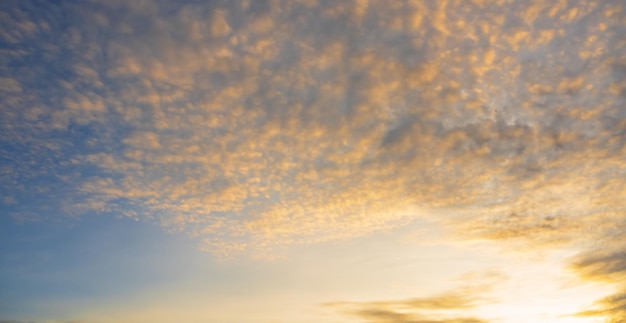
column 252, row 125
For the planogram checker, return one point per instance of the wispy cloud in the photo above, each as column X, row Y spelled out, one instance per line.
column 448, row 307
column 606, row 262
column 613, row 307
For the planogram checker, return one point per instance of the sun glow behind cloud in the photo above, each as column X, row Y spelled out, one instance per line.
column 259, row 126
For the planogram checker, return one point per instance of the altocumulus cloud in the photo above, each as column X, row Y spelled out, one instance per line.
column 255, row 124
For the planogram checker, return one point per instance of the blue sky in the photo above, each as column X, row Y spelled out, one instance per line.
column 312, row 161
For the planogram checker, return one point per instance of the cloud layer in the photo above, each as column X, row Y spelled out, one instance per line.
column 256, row 124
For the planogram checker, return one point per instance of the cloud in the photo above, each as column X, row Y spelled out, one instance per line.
column 603, row 265
column 607, row 264
column 251, row 126
column 445, row 301
column 382, row 316
column 448, row 307
column 613, row 308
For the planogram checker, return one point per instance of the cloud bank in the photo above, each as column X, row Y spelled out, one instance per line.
column 257, row 124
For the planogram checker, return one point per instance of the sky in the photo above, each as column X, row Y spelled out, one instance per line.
column 278, row 161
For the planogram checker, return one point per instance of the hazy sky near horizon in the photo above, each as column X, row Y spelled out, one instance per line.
column 312, row 161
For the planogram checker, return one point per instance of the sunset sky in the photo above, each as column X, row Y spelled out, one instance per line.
column 274, row 161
